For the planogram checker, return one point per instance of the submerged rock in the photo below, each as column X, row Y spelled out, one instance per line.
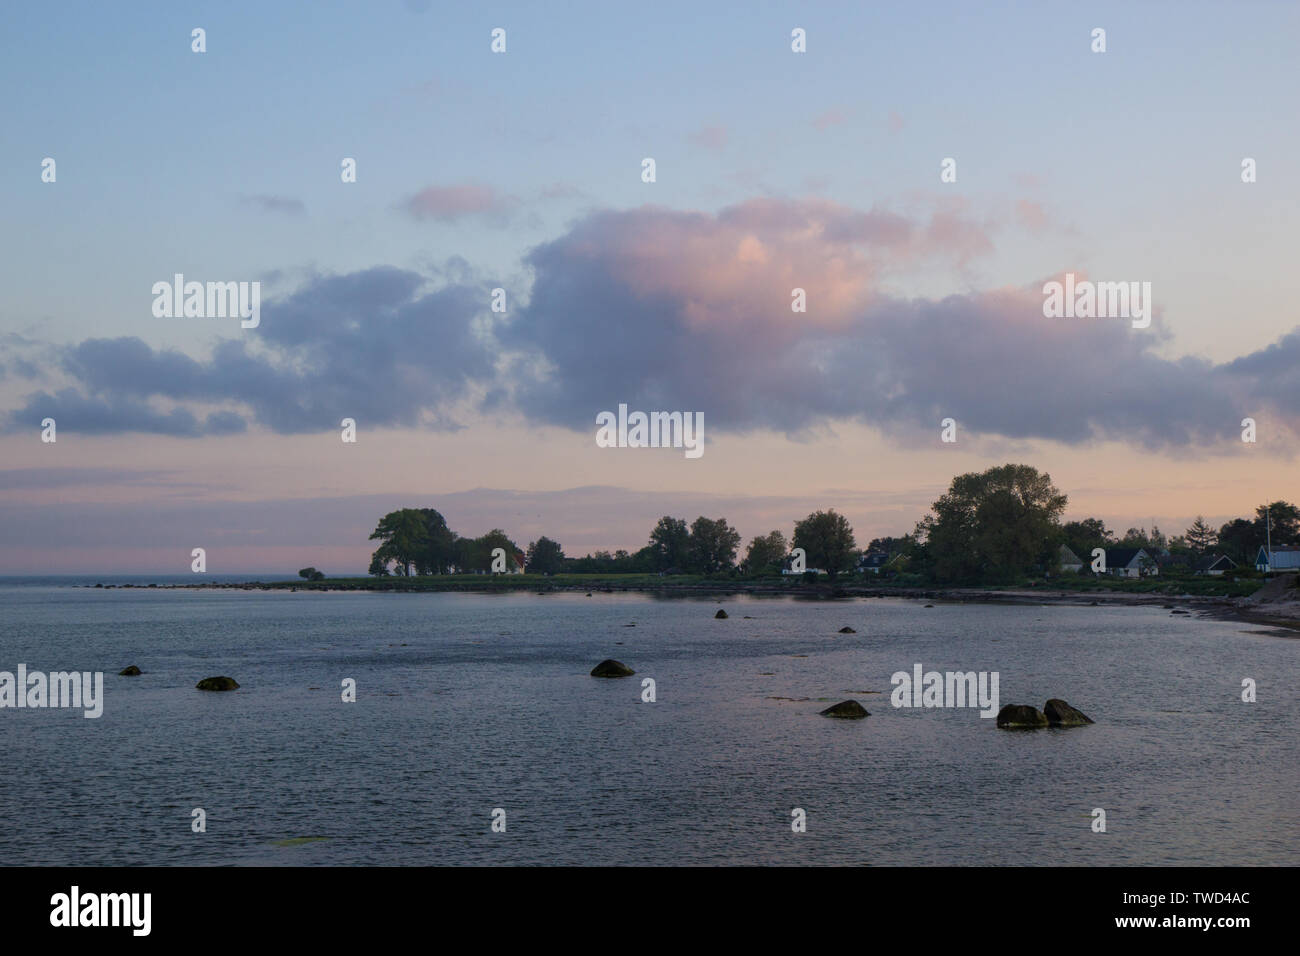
column 847, row 630
column 847, row 709
column 131, row 671
column 217, row 683
column 1061, row 714
column 721, row 613
column 1021, row 717
column 611, row 668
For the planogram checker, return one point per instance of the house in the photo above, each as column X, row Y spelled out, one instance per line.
column 1130, row 562
column 873, row 562
column 1182, row 561
column 517, row 562
column 1214, row 564
column 1283, row 558
column 1069, row 560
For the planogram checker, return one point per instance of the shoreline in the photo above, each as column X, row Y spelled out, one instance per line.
column 1276, row 609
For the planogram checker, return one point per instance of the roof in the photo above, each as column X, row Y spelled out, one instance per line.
column 1211, row 561
column 1068, row 556
column 1122, row 557
column 1283, row 556
column 874, row 560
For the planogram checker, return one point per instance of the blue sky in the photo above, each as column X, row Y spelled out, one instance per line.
column 225, row 165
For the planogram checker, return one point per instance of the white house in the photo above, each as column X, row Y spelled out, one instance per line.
column 1069, row 560
column 1284, row 558
column 1214, row 564
column 1130, row 562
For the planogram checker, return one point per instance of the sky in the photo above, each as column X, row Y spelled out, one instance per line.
column 522, row 171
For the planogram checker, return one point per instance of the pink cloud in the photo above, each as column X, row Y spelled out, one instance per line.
column 828, row 118
column 449, row 203
column 710, row 137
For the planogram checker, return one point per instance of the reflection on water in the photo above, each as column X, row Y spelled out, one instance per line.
column 468, row 703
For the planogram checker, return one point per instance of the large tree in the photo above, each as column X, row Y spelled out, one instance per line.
column 545, row 556
column 475, row 554
column 1082, row 537
column 439, row 551
column 1284, row 519
column 994, row 526
column 670, row 541
column 712, row 545
column 1240, row 539
column 1200, row 537
column 827, row 540
column 766, row 552
column 404, row 536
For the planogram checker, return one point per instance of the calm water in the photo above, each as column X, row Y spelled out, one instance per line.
column 471, row 702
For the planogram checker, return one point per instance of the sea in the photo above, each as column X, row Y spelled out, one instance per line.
column 478, row 737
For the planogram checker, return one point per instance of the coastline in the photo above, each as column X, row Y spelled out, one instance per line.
column 1272, row 605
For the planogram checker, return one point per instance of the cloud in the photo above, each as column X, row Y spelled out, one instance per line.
column 710, row 137
column 451, row 203
column 277, row 204
column 688, row 311
column 681, row 310
column 1031, row 215
column 827, row 119
column 375, row 345
column 895, row 122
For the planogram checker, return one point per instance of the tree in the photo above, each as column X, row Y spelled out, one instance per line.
column 1284, row 519
column 1200, row 537
column 307, row 573
column 1240, row 540
column 827, row 540
column 1082, row 537
column 994, row 526
column 670, row 540
column 891, row 546
column 712, row 545
column 765, row 553
column 405, row 537
column 545, row 556
column 440, row 544
column 475, row 554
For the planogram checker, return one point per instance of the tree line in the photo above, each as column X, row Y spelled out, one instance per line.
column 996, row 526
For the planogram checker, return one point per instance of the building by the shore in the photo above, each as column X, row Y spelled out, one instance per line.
column 1282, row 558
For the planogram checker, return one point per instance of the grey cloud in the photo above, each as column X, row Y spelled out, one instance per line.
column 277, row 204
column 372, row 345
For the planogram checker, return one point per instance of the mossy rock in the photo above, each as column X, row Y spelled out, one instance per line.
column 217, row 683
column 131, row 671
column 721, row 614
column 611, row 668
column 1061, row 714
column 847, row 710
column 1021, row 717
column 847, row 630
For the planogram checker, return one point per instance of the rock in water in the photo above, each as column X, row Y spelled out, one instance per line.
column 848, row 709
column 131, row 671
column 1061, row 714
column 721, row 613
column 1021, row 717
column 216, row 683
column 611, row 668
column 847, row 630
